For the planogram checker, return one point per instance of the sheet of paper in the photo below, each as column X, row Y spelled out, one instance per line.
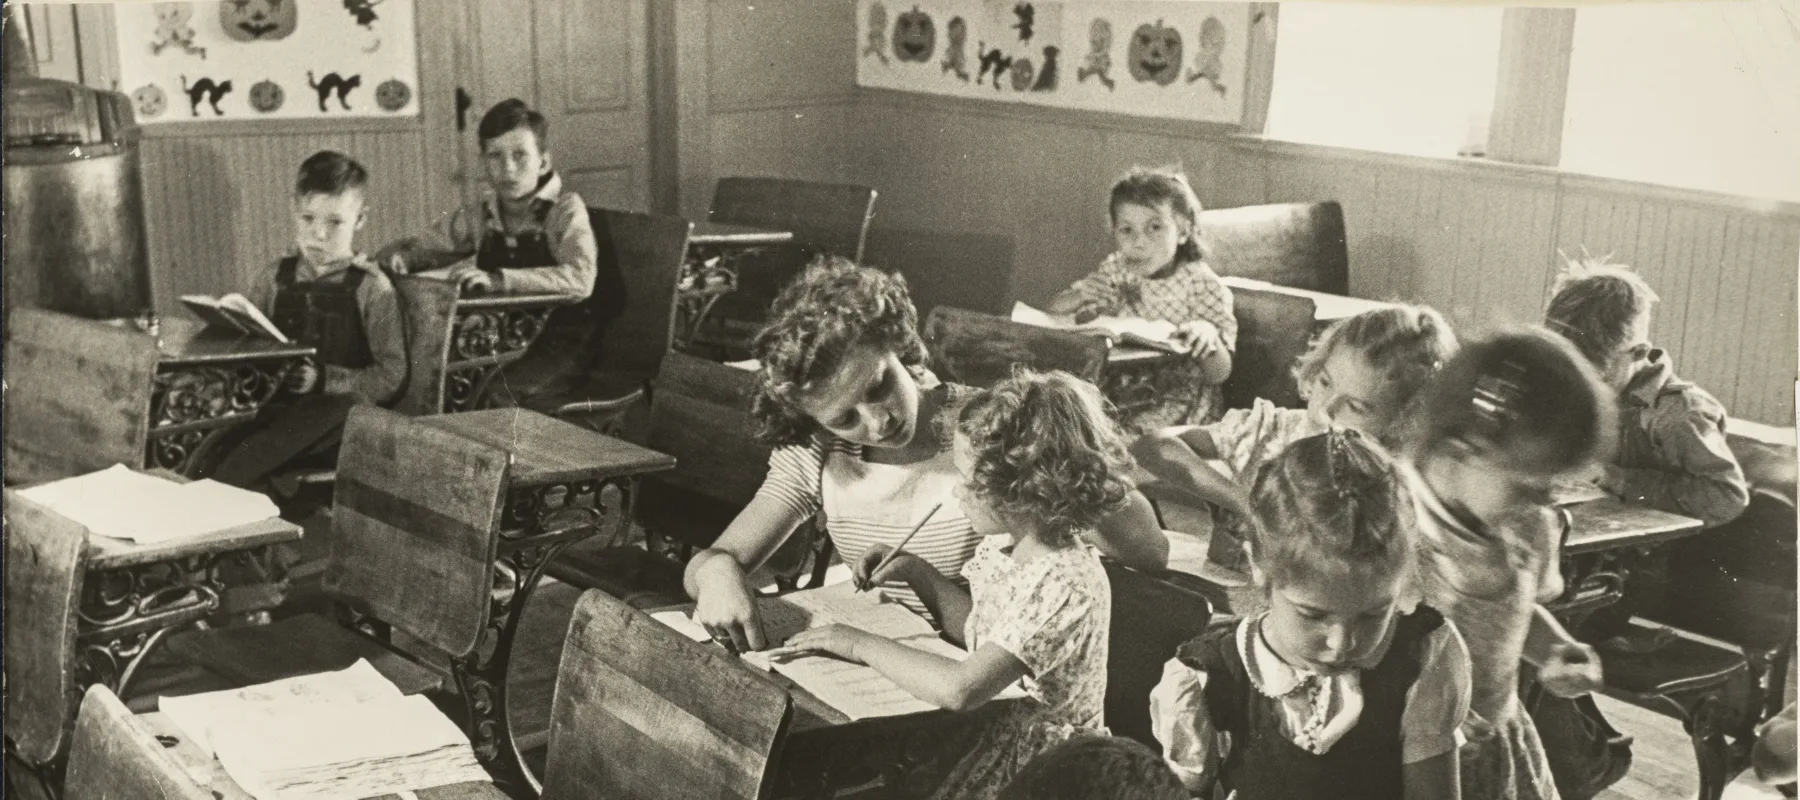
column 200, row 714
column 123, row 503
column 860, row 691
column 683, row 624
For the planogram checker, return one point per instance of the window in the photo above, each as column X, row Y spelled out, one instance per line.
column 1703, row 95
column 1417, row 80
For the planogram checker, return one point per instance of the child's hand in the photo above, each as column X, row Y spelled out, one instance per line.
column 836, row 640
column 902, row 568
column 1572, row 670
column 1774, row 755
column 303, row 379
column 1201, row 337
column 1097, row 297
column 393, row 256
column 472, row 279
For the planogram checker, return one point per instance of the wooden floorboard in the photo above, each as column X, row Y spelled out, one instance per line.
column 1662, row 766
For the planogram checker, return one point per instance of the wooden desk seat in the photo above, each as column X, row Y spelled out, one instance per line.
column 643, row 712
column 1152, row 615
column 113, row 756
column 1274, row 330
column 42, row 590
column 978, row 349
column 415, row 523
column 1291, row 244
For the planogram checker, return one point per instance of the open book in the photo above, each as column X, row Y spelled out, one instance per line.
column 233, row 312
column 1152, row 333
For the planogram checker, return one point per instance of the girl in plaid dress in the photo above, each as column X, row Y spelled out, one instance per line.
column 1158, row 272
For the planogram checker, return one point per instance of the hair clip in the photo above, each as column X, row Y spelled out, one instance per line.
column 1498, row 395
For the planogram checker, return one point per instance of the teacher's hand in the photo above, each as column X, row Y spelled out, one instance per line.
column 729, row 613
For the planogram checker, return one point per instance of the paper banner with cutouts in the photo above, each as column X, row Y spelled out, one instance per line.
column 268, row 59
column 1182, row 60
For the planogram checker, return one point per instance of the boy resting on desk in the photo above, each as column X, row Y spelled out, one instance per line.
column 529, row 236
column 332, row 298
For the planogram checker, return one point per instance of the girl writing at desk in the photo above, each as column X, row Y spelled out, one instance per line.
column 862, row 435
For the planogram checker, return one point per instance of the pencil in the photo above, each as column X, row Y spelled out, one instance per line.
column 865, row 585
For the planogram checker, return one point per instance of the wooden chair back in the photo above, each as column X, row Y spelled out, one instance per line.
column 978, row 349
column 114, row 756
column 415, row 523
column 641, row 711
column 1152, row 615
column 77, row 395
column 700, row 414
column 825, row 217
column 1291, row 244
column 44, row 556
column 1274, row 329
column 648, row 250
column 428, row 306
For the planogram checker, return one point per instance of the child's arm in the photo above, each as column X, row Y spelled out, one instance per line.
column 1700, row 477
column 1178, row 456
column 1436, row 706
column 1179, row 719
column 572, row 241
column 383, row 329
column 943, row 682
column 1095, row 293
column 452, row 240
column 947, row 601
column 1131, row 536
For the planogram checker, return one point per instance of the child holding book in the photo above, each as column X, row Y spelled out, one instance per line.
column 1359, row 374
column 531, row 235
column 1040, row 463
column 329, row 296
column 1505, row 421
column 1337, row 689
column 1158, row 271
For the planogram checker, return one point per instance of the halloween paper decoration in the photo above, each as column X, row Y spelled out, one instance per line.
column 1181, row 59
column 1154, row 55
column 1098, row 63
column 206, row 90
column 1209, row 62
column 915, row 36
column 877, row 33
column 956, row 57
column 259, row 50
column 266, row 96
column 333, row 82
column 149, row 100
column 259, row 20
column 175, row 28
column 393, row 94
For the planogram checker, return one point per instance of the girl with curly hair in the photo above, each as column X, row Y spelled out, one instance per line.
column 861, row 431
column 1040, row 463
column 1343, row 687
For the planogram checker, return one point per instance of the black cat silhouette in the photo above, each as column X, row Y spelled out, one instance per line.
column 334, row 83
column 994, row 61
column 205, row 88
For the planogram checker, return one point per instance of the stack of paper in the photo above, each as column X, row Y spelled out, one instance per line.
column 124, row 503
column 1151, row 333
column 855, row 690
column 332, row 735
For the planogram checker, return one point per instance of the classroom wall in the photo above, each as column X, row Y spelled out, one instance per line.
column 1478, row 240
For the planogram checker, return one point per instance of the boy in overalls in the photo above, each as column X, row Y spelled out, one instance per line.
column 531, row 235
column 334, row 299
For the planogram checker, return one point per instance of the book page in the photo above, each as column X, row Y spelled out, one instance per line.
column 201, row 714
column 242, row 305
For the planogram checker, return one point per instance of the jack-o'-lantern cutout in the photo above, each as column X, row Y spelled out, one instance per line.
column 915, row 36
column 266, row 96
column 1022, row 72
column 259, row 20
column 393, row 94
column 1154, row 55
column 150, row 101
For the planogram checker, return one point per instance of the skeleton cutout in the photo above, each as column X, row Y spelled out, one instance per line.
column 876, row 38
column 175, row 28
column 1209, row 61
column 956, row 56
column 1098, row 63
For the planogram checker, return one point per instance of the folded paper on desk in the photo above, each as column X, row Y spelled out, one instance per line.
column 123, row 503
column 339, row 734
column 858, row 691
column 1152, row 333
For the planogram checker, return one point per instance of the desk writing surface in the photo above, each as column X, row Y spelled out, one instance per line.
column 105, row 552
column 1326, row 307
column 208, row 772
column 1611, row 523
column 184, row 341
column 1125, row 354
column 483, row 301
column 723, row 233
column 549, row 450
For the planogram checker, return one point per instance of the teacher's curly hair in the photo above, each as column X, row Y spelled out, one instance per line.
column 1045, row 449
column 830, row 309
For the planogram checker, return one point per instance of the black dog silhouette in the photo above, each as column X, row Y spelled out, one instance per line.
column 334, row 83
column 207, row 89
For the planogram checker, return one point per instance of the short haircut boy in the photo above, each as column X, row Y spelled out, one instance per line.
column 1595, row 305
column 330, row 172
column 511, row 115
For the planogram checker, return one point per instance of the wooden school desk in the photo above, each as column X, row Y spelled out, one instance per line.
column 1327, row 307
column 1606, row 539
column 558, row 469
column 826, row 751
column 703, row 285
column 487, row 332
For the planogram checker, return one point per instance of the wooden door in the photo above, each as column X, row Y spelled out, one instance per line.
column 583, row 64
